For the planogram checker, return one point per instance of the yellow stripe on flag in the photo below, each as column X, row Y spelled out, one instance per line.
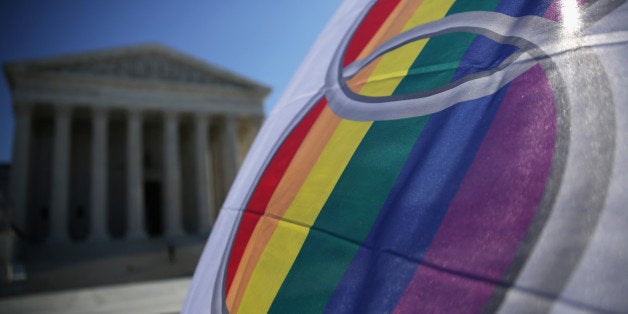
column 393, row 66
column 284, row 245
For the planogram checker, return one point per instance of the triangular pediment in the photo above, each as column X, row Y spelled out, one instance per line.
column 153, row 63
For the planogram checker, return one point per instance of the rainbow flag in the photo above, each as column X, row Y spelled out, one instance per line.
column 439, row 156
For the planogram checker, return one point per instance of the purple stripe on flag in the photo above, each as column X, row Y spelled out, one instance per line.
column 494, row 206
column 554, row 10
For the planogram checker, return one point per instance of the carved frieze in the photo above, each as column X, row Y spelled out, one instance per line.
column 146, row 66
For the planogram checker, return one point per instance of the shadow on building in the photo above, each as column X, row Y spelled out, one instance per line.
column 121, row 159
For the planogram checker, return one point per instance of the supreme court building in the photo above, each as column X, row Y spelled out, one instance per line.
column 126, row 143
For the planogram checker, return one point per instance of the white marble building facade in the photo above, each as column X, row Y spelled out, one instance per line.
column 126, row 143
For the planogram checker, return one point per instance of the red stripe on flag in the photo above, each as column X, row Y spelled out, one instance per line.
column 370, row 25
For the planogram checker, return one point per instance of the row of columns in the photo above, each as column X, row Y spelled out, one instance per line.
column 59, row 231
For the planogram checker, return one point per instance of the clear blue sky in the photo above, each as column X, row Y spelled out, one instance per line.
column 262, row 40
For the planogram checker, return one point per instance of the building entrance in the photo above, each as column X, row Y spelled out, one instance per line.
column 152, row 205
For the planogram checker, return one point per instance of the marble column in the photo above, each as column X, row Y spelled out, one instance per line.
column 60, row 175
column 172, row 176
column 230, row 150
column 98, row 186
column 135, row 184
column 202, row 162
column 257, row 122
column 20, row 165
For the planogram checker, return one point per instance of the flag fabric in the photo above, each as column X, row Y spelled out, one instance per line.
column 437, row 156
